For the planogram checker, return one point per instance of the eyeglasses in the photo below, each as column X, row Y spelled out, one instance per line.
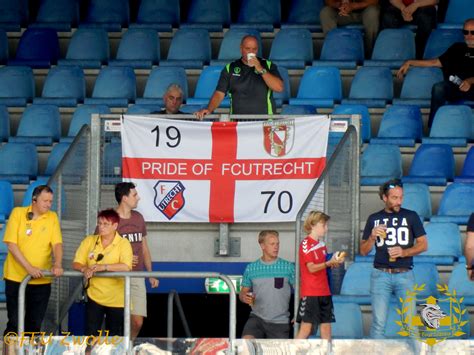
column 467, row 32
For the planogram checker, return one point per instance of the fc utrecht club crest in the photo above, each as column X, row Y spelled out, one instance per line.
column 169, row 198
column 278, row 137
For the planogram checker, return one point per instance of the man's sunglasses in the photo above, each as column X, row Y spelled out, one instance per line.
column 467, row 32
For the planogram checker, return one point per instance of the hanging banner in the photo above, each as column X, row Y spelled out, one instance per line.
column 223, row 172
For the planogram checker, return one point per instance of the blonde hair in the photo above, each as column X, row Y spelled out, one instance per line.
column 314, row 217
column 262, row 235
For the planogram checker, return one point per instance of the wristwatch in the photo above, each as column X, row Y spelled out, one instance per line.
column 468, row 267
column 261, row 72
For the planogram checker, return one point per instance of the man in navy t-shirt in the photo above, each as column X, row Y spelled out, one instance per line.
column 469, row 248
column 398, row 235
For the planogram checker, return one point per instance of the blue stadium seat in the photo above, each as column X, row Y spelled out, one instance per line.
column 211, row 15
column 319, row 86
column 298, row 110
column 444, row 244
column 452, row 125
column 467, row 173
column 283, row 97
column 379, row 163
column 7, row 201
column 348, row 325
column 356, row 284
column 4, row 251
column 342, row 48
column 190, row 49
column 433, row 164
column 38, row 48
column 88, row 48
column 14, row 15
column 363, row 111
column 401, row 125
column 392, row 47
column 111, row 15
column 160, row 15
column 230, row 45
column 159, row 80
column 260, row 14
column 4, row 123
column 3, row 47
column 18, row 162
column 17, row 85
column 138, row 48
column 304, row 14
column 464, row 287
column 64, row 86
column 39, row 125
column 29, row 190
column 140, row 109
column 440, row 40
column 115, row 87
column 59, row 15
column 55, row 157
column 458, row 11
column 206, row 86
column 112, row 164
column 82, row 116
column 416, row 88
column 292, row 48
column 426, row 273
column 371, row 86
column 416, row 197
column 456, row 204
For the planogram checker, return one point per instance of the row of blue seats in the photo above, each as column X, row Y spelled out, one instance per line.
column 433, row 164
column 356, row 284
column 191, row 48
column 401, row 125
column 117, row 86
column 163, row 15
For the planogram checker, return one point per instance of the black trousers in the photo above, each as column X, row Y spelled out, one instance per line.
column 446, row 91
column 424, row 18
column 95, row 315
column 36, row 303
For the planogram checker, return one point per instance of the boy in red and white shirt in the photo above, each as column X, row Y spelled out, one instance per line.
column 316, row 306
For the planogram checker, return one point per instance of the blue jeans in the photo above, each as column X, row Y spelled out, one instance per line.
column 382, row 286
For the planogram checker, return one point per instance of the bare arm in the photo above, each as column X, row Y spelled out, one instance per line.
column 398, row 4
column 312, row 267
column 367, row 244
column 214, row 103
column 20, row 258
column 421, row 245
column 469, row 251
column 335, row 4
column 362, row 4
column 273, row 82
column 417, row 63
column 57, row 268
column 147, row 261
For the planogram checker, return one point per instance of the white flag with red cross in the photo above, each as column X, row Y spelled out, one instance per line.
column 223, row 172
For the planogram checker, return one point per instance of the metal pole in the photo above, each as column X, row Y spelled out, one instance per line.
column 126, row 316
column 21, row 310
column 169, row 327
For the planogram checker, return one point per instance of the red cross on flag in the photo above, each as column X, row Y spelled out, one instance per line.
column 223, row 172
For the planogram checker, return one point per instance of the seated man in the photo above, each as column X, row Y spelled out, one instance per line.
column 346, row 12
column 422, row 13
column 457, row 61
column 173, row 98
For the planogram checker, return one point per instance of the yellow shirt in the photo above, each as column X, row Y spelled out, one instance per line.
column 35, row 239
column 106, row 291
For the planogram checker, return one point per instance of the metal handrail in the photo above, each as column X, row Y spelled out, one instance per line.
column 173, row 296
column 128, row 276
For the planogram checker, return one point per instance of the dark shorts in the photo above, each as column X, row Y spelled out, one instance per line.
column 261, row 329
column 316, row 310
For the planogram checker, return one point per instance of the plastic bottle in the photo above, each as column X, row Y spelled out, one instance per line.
column 455, row 79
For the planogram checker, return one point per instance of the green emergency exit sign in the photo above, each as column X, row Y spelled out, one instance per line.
column 216, row 285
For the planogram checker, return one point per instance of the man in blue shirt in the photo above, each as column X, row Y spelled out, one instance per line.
column 398, row 235
column 266, row 287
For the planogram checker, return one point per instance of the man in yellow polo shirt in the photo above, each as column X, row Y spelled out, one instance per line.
column 32, row 235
